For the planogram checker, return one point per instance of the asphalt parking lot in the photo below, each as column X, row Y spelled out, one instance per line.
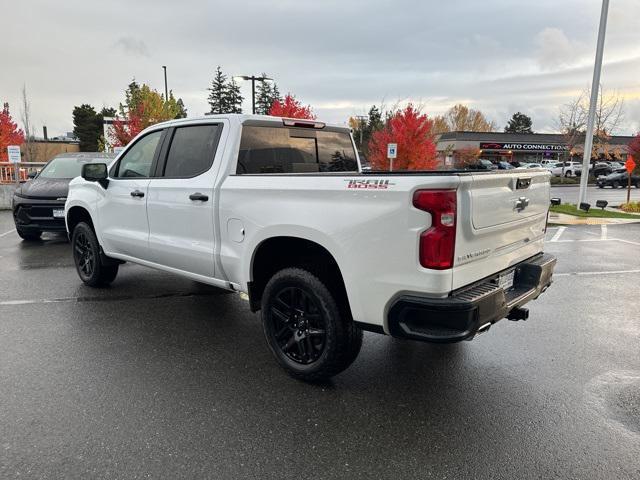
column 569, row 194
column 159, row 377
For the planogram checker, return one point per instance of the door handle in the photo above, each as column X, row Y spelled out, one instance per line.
column 198, row 196
column 137, row 193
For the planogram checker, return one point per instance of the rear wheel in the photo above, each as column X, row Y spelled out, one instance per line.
column 311, row 338
column 29, row 235
column 86, row 255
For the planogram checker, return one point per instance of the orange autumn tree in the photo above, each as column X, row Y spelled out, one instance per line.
column 142, row 108
column 411, row 130
column 10, row 134
column 291, row 107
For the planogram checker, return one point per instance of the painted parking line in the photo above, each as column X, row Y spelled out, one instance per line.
column 603, row 232
column 606, row 272
column 7, row 233
column 558, row 234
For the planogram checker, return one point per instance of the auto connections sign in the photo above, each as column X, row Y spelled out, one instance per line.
column 524, row 147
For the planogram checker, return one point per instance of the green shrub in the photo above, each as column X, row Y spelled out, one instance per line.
column 564, row 181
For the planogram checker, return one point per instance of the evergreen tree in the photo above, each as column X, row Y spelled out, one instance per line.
column 87, row 126
column 519, row 123
column 108, row 112
column 182, row 111
column 266, row 93
column 233, row 98
column 218, row 98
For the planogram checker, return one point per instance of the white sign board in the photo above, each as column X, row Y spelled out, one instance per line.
column 14, row 153
column 392, row 150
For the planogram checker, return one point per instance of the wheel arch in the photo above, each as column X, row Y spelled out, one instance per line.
column 77, row 214
column 277, row 252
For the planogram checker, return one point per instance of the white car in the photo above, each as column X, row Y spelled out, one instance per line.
column 565, row 169
column 532, row 165
column 278, row 209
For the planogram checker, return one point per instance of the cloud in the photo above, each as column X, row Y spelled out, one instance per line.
column 132, row 46
column 554, row 49
column 496, row 55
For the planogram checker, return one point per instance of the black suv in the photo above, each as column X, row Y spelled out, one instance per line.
column 38, row 204
column 619, row 178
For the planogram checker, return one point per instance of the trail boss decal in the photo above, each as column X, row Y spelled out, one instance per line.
column 373, row 184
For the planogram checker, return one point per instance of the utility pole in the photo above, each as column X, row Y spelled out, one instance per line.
column 595, row 89
column 166, row 90
column 253, row 79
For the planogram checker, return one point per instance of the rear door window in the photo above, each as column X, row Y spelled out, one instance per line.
column 191, row 151
column 294, row 150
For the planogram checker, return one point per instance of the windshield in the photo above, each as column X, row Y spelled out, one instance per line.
column 63, row 167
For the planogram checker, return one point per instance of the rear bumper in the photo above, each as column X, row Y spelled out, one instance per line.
column 472, row 308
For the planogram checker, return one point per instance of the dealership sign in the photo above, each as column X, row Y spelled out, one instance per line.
column 524, row 147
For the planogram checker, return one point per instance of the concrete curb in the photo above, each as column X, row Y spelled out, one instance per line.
column 564, row 219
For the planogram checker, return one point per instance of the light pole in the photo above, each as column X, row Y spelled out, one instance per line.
column 166, row 90
column 595, row 88
column 253, row 79
column 361, row 119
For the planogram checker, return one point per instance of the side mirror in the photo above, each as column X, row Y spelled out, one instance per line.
column 31, row 175
column 95, row 172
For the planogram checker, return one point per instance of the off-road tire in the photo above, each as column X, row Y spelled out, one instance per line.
column 342, row 338
column 86, row 255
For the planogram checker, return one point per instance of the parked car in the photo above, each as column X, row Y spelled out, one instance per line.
column 568, row 169
column 532, row 165
column 505, row 166
column 619, row 178
column 483, row 164
column 38, row 204
column 279, row 209
column 615, row 165
column 601, row 168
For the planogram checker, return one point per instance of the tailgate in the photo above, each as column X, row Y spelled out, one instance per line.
column 501, row 221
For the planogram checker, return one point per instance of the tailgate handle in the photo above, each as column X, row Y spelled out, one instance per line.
column 522, row 203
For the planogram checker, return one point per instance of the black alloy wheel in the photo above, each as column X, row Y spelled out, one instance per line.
column 308, row 325
column 297, row 325
column 83, row 255
column 92, row 268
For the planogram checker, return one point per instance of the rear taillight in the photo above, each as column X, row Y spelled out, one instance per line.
column 437, row 243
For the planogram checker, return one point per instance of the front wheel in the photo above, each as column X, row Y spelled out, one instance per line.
column 615, row 185
column 86, row 255
column 311, row 338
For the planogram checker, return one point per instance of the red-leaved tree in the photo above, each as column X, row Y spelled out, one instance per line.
column 411, row 130
column 125, row 130
column 10, row 134
column 291, row 107
column 634, row 149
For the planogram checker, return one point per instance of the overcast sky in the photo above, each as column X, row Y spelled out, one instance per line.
column 499, row 56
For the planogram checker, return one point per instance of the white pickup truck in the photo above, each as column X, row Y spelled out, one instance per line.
column 279, row 209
